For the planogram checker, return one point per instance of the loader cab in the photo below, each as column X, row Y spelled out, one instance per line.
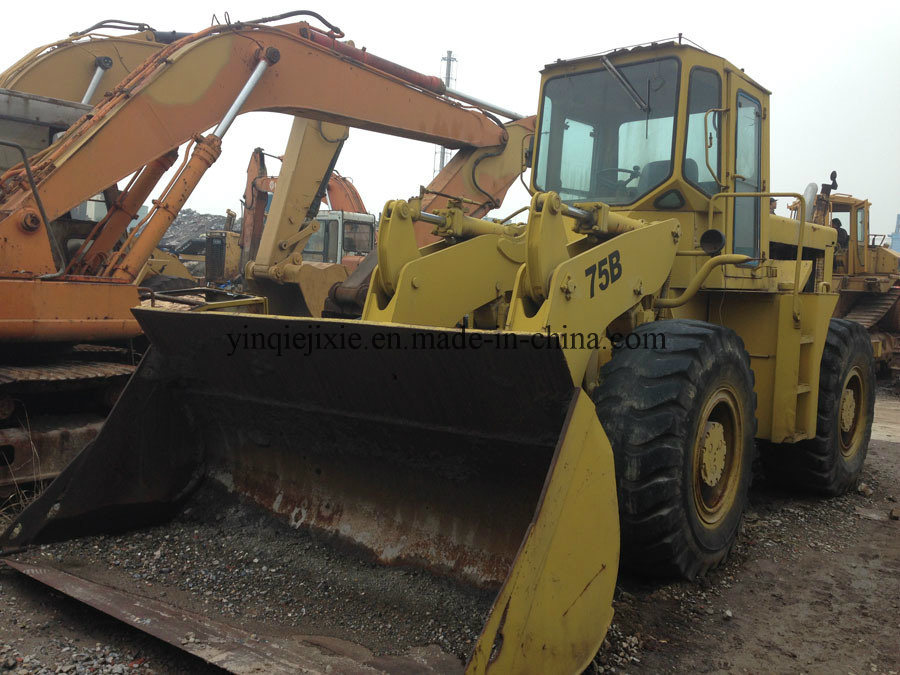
column 849, row 218
column 660, row 128
column 853, row 215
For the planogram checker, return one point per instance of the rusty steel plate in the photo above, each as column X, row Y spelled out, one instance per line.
column 231, row 647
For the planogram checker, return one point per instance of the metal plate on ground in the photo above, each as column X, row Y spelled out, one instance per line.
column 231, row 647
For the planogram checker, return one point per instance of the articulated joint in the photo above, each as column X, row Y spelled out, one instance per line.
column 30, row 220
column 697, row 281
column 301, row 236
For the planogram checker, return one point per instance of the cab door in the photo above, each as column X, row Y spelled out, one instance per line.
column 860, row 237
column 747, row 170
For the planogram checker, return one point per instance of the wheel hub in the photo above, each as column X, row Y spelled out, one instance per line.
column 848, row 410
column 713, row 453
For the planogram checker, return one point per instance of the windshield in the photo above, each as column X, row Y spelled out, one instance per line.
column 315, row 247
column 358, row 237
column 596, row 143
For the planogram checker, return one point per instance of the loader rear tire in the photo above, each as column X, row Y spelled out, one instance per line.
column 680, row 414
column 831, row 463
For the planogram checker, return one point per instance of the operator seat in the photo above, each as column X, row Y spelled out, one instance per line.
column 655, row 173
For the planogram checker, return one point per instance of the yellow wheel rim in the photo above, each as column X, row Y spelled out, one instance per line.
column 718, row 457
column 851, row 411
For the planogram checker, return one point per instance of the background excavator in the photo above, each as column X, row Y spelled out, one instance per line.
column 346, row 230
column 519, row 397
column 54, row 398
column 866, row 275
column 75, row 282
column 82, row 67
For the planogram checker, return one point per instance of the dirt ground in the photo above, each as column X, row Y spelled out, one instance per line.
column 813, row 586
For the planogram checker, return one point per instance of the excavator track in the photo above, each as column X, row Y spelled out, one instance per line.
column 51, row 407
column 869, row 310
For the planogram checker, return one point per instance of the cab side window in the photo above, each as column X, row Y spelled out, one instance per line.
column 747, row 174
column 704, row 93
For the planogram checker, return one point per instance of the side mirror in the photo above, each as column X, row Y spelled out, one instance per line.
column 712, row 241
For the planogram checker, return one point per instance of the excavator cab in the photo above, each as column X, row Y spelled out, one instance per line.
column 341, row 235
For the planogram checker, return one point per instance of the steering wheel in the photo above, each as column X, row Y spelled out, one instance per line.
column 616, row 183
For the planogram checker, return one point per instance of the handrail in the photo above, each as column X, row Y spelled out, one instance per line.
column 700, row 277
column 708, row 144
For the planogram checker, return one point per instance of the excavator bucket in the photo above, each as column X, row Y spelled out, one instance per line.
column 406, row 447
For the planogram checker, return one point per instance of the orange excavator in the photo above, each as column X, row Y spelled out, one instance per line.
column 346, row 231
column 339, row 193
column 55, row 84
column 196, row 83
column 62, row 285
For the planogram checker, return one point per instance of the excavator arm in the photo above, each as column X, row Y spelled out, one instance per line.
column 340, row 192
column 343, row 195
column 190, row 85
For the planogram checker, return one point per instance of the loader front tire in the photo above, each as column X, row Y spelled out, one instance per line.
column 831, row 463
column 680, row 414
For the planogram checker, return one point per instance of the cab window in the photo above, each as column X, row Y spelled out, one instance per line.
column 602, row 138
column 704, row 93
column 861, row 235
column 747, row 175
column 358, row 237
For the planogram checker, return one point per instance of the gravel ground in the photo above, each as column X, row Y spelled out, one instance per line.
column 811, row 587
column 232, row 560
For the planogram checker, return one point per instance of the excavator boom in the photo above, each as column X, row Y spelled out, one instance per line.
column 186, row 87
column 85, row 65
column 343, row 195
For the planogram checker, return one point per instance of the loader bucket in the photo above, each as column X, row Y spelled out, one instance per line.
column 390, row 442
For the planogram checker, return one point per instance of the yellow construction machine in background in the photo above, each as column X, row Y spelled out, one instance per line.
column 866, row 273
column 519, row 397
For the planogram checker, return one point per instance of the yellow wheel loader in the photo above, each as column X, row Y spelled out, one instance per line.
column 517, row 399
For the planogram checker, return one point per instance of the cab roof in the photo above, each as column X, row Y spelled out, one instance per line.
column 667, row 47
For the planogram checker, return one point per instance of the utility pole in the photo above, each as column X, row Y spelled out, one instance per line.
column 449, row 79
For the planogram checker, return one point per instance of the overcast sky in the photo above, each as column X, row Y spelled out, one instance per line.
column 833, row 68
